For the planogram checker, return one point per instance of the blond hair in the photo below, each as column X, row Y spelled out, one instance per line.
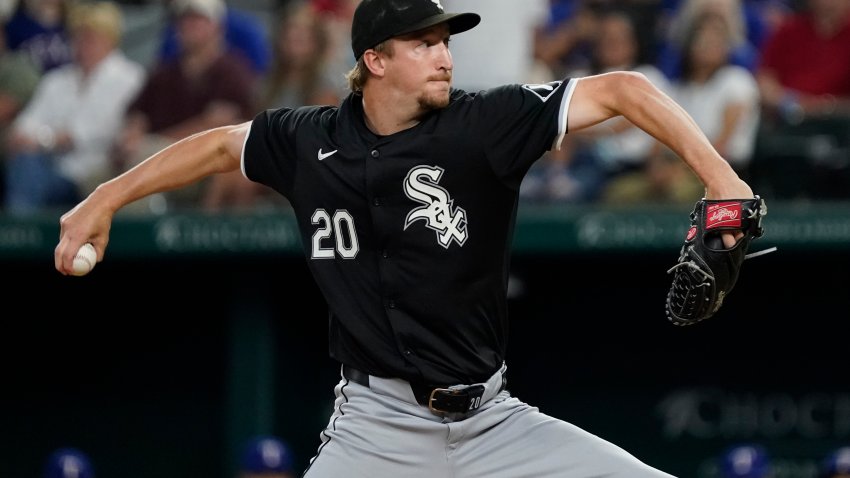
column 360, row 73
column 104, row 17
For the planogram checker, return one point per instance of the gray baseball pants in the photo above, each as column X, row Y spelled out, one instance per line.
column 381, row 431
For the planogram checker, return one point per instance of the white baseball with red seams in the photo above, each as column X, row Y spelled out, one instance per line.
column 85, row 259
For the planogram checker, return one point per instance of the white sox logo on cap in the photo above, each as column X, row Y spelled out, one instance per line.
column 437, row 3
column 439, row 215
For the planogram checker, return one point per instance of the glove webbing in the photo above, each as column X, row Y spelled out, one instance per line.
column 688, row 286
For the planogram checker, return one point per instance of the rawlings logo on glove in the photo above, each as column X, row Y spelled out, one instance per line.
column 706, row 271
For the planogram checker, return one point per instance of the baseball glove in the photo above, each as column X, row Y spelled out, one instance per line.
column 706, row 271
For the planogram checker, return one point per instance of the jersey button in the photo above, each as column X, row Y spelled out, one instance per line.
column 376, row 202
column 385, row 254
column 375, row 153
column 408, row 352
column 391, row 304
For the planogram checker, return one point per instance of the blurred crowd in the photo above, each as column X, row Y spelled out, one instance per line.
column 768, row 81
column 755, row 460
column 267, row 456
column 262, row 456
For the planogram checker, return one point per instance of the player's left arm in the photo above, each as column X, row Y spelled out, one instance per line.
column 633, row 96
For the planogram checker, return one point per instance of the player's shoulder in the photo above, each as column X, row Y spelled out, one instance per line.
column 513, row 93
column 286, row 122
column 313, row 114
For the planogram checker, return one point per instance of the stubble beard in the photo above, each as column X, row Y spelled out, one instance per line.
column 434, row 101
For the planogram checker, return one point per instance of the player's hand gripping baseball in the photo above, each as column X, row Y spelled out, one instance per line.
column 734, row 189
column 89, row 221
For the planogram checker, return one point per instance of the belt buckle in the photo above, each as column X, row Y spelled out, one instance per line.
column 432, row 398
column 472, row 394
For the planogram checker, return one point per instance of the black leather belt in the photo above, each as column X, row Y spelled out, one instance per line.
column 440, row 400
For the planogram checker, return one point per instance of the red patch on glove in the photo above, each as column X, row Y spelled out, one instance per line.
column 724, row 214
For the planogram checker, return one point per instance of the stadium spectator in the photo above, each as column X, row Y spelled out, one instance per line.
column 566, row 43
column 764, row 17
column 266, row 457
column 298, row 77
column 18, row 80
column 68, row 463
column 743, row 51
column 805, row 65
column 589, row 159
column 745, row 461
column 723, row 98
column 244, row 34
column 38, row 27
column 804, row 82
column 336, row 16
column 205, row 87
column 836, row 464
column 299, row 74
column 59, row 144
column 760, row 16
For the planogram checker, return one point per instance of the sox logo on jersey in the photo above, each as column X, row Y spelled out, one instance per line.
column 543, row 91
column 438, row 211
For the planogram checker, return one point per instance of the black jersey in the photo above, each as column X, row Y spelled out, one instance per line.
column 408, row 236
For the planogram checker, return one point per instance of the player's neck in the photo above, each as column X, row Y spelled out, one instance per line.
column 385, row 116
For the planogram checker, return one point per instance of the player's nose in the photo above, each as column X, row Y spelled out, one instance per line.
column 444, row 57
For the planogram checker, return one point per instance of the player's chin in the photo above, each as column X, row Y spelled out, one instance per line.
column 434, row 99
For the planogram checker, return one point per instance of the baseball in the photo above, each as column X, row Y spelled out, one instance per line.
column 85, row 260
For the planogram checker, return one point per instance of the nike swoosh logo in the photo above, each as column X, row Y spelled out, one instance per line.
column 325, row 155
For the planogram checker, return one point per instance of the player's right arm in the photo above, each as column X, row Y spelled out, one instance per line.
column 187, row 161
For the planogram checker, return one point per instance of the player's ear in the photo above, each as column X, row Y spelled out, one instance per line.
column 374, row 61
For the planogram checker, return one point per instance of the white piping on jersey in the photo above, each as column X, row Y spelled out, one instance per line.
column 563, row 114
column 242, row 156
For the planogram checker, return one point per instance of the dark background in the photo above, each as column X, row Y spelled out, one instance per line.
column 133, row 363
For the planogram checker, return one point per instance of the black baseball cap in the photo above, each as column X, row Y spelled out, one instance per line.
column 378, row 20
